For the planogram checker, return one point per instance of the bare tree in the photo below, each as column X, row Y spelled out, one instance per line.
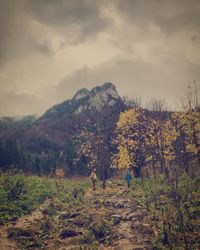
column 191, row 98
column 157, row 105
column 132, row 102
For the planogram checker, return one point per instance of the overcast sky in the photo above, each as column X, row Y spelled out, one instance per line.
column 51, row 48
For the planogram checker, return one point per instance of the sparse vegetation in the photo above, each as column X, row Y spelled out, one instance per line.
column 21, row 194
column 173, row 210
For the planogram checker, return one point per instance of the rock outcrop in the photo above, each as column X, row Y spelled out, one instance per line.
column 85, row 100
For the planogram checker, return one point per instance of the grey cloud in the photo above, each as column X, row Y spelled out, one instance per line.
column 195, row 38
column 44, row 48
column 8, row 28
column 17, row 38
column 63, row 11
column 19, row 103
column 79, row 20
column 75, row 21
column 133, row 77
column 44, row 33
column 169, row 16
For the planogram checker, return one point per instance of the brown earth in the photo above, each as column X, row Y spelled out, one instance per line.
column 105, row 219
column 24, row 222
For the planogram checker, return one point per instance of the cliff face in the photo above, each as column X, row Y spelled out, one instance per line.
column 85, row 100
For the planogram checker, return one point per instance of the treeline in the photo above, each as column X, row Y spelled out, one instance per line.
column 13, row 156
column 150, row 139
column 119, row 137
column 10, row 154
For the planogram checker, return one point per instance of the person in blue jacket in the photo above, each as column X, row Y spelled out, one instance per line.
column 128, row 177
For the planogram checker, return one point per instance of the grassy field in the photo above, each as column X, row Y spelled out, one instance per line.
column 21, row 194
column 170, row 207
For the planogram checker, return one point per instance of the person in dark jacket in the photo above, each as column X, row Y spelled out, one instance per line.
column 137, row 170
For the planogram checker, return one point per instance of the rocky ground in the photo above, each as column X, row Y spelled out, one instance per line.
column 105, row 219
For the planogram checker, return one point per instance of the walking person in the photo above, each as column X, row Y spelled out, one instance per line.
column 93, row 177
column 128, row 178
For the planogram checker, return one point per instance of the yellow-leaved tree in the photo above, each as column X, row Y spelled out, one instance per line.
column 129, row 139
column 159, row 143
column 188, row 125
column 87, row 147
column 122, row 159
column 144, row 141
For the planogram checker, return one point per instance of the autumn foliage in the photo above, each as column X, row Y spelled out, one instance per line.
column 147, row 140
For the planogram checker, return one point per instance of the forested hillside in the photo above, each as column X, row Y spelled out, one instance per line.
column 54, row 139
column 75, row 134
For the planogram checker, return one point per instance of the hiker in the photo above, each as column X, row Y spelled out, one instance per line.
column 128, row 177
column 137, row 170
column 93, row 177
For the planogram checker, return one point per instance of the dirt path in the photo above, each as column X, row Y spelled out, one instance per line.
column 5, row 243
column 69, row 225
column 24, row 222
column 131, row 230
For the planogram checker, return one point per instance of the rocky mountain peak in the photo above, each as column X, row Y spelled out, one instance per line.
column 81, row 94
column 85, row 100
column 102, row 96
column 98, row 97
